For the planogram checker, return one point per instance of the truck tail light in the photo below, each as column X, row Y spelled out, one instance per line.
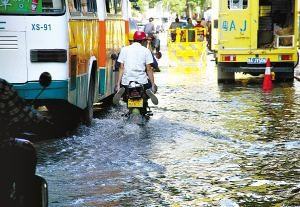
column 285, row 57
column 229, row 58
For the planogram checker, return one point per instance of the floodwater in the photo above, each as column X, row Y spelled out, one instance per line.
column 208, row 144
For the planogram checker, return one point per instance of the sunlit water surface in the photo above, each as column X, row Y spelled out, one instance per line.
column 206, row 145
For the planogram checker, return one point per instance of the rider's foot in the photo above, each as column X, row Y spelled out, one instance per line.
column 118, row 95
column 152, row 96
column 156, row 69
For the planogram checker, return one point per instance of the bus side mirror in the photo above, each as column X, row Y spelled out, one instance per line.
column 45, row 79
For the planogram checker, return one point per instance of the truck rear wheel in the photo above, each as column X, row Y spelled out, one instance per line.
column 284, row 77
column 225, row 77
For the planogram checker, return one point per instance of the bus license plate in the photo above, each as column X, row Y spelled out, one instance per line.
column 257, row 61
column 135, row 103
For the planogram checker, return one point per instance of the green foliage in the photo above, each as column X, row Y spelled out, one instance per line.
column 176, row 6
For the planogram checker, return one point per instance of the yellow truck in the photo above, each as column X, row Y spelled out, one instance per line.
column 299, row 25
column 251, row 31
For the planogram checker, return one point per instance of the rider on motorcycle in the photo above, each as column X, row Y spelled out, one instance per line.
column 154, row 65
column 134, row 58
column 152, row 37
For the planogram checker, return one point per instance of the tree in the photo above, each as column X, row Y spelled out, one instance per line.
column 179, row 6
column 175, row 6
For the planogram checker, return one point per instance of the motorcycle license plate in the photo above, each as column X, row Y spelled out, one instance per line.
column 256, row 61
column 135, row 103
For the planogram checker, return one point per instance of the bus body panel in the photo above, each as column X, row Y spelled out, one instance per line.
column 83, row 45
column 34, row 33
column 44, row 33
column 13, row 51
column 87, row 39
column 115, row 40
column 235, row 27
column 233, row 40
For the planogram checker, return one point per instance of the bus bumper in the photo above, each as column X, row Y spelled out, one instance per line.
column 30, row 90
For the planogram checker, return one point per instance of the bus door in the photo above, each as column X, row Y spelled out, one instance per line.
column 234, row 25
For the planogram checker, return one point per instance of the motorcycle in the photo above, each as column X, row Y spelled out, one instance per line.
column 137, row 103
column 20, row 186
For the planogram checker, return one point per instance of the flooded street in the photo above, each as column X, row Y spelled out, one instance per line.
column 208, row 144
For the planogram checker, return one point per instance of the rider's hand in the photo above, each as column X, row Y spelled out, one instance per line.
column 154, row 88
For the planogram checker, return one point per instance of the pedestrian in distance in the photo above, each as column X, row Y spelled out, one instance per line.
column 189, row 24
column 173, row 27
column 191, row 32
column 201, row 26
column 134, row 58
column 149, row 28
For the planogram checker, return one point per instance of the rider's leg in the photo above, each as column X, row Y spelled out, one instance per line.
column 150, row 93
column 118, row 95
column 157, row 44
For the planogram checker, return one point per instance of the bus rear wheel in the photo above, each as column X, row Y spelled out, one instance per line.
column 88, row 112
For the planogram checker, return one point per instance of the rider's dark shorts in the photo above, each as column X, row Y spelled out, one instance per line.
column 146, row 86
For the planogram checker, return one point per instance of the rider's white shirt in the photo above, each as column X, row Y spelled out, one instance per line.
column 135, row 57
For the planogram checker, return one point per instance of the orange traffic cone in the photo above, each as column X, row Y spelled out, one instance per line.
column 267, row 85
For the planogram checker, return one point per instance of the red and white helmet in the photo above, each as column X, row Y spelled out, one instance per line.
column 139, row 36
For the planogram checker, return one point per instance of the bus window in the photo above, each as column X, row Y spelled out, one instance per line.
column 84, row 7
column 77, row 4
column 237, row 4
column 71, row 5
column 113, row 6
column 92, row 6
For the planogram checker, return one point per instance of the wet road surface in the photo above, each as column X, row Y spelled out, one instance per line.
column 207, row 144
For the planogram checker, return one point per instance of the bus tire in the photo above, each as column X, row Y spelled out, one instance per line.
column 225, row 77
column 64, row 116
column 88, row 112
